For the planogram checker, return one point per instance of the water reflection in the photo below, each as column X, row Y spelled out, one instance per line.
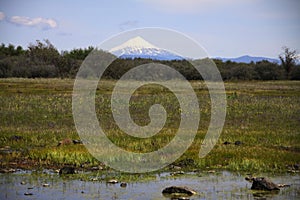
column 223, row 185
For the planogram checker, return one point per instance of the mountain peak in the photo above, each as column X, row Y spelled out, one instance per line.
column 249, row 59
column 136, row 42
column 138, row 47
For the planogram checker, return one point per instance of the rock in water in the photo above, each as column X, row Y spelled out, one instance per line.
column 67, row 170
column 112, row 181
column 46, row 185
column 262, row 183
column 123, row 184
column 178, row 190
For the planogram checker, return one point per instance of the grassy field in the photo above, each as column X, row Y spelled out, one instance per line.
column 264, row 116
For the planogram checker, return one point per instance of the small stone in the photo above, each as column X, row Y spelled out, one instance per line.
column 283, row 185
column 178, row 190
column 77, row 142
column 180, row 198
column 94, row 179
column 46, row 185
column 238, row 143
column 177, row 173
column 66, row 141
column 82, row 192
column 28, row 193
column 211, row 171
column 176, row 167
column 123, row 184
column 23, row 182
column 296, row 166
column 292, row 171
column 226, row 143
column 263, row 183
column 112, row 181
column 250, row 179
column 96, row 168
column 67, row 170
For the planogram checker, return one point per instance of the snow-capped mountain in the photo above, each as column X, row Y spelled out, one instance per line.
column 139, row 48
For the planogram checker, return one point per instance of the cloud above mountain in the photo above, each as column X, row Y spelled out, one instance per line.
column 2, row 16
column 40, row 22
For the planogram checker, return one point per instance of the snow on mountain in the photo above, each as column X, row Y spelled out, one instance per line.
column 139, row 48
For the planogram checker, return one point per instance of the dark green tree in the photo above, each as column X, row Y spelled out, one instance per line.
column 43, row 53
column 4, row 70
column 288, row 60
column 268, row 71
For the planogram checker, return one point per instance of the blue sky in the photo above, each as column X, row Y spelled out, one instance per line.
column 226, row 28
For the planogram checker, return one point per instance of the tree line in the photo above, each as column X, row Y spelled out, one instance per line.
column 42, row 60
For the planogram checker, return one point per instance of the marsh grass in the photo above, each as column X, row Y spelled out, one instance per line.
column 264, row 116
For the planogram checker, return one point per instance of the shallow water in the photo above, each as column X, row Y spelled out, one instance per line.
column 223, row 185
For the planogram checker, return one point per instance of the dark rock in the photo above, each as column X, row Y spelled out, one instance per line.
column 67, row 170
column 296, row 166
column 262, row 183
column 238, row 143
column 178, row 190
column 250, row 179
column 46, row 185
column 77, row 142
column 189, row 162
column 16, row 137
column 123, row 184
column 28, row 193
column 226, row 143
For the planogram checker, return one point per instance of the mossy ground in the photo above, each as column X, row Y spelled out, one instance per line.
column 264, row 116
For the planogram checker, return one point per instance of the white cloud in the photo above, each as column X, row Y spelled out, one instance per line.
column 2, row 16
column 34, row 22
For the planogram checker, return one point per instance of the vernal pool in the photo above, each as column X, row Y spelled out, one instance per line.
column 220, row 185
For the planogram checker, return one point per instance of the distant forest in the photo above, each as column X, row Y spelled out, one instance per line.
column 42, row 60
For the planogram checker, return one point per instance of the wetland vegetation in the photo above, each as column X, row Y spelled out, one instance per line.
column 36, row 114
